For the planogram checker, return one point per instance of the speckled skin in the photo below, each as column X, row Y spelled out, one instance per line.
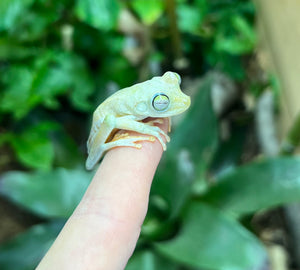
column 126, row 108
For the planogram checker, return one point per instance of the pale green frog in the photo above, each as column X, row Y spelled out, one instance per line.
column 159, row 97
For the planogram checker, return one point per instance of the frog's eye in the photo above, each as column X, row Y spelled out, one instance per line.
column 160, row 102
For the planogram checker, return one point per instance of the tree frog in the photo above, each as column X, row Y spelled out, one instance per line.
column 124, row 110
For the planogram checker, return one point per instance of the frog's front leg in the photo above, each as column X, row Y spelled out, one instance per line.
column 131, row 124
column 160, row 121
column 97, row 143
column 97, row 140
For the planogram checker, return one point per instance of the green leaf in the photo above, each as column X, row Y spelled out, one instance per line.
column 199, row 126
column 190, row 151
column 25, row 251
column 101, row 14
column 59, row 72
column 50, row 194
column 16, row 97
column 67, row 152
column 11, row 11
column 33, row 147
column 52, row 74
column 32, row 25
column 227, row 63
column 147, row 260
column 232, row 45
column 259, row 185
column 148, row 10
column 244, row 29
column 230, row 151
column 189, row 18
column 243, row 41
column 119, row 70
column 210, row 240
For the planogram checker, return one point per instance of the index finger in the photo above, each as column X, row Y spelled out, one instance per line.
column 104, row 228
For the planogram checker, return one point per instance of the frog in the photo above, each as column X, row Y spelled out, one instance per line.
column 127, row 109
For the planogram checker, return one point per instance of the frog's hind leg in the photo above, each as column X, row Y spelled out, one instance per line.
column 118, row 141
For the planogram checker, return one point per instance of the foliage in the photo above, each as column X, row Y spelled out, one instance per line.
column 59, row 59
column 29, row 247
column 191, row 245
column 36, row 191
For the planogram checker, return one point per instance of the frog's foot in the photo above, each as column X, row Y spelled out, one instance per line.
column 160, row 121
column 125, row 139
column 120, row 136
column 144, row 128
column 162, row 132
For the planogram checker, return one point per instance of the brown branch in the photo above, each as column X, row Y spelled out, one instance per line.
column 175, row 35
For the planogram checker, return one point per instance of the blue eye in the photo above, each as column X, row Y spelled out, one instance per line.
column 160, row 102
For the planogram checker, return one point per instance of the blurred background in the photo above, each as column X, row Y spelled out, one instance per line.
column 226, row 198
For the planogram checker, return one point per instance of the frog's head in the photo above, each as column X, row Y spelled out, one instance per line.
column 162, row 97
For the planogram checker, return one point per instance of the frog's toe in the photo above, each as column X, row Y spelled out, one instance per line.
column 164, row 146
column 167, row 138
column 138, row 145
column 119, row 136
column 93, row 157
column 127, row 140
column 125, row 137
column 160, row 139
column 160, row 131
column 161, row 121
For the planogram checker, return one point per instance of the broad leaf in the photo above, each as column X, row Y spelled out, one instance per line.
column 16, row 97
column 148, row 10
column 190, row 151
column 241, row 42
column 227, row 63
column 148, row 260
column 230, row 151
column 210, row 240
column 67, row 154
column 101, row 14
column 119, row 70
column 60, row 72
column 11, row 11
column 25, row 251
column 259, row 185
column 33, row 147
column 189, row 18
column 49, row 194
column 32, row 25
column 52, row 74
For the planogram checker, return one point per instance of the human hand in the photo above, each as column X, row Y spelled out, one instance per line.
column 104, row 228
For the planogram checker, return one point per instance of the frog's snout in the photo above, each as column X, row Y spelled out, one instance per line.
column 187, row 101
column 182, row 102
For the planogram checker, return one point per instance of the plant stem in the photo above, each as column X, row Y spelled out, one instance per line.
column 175, row 35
